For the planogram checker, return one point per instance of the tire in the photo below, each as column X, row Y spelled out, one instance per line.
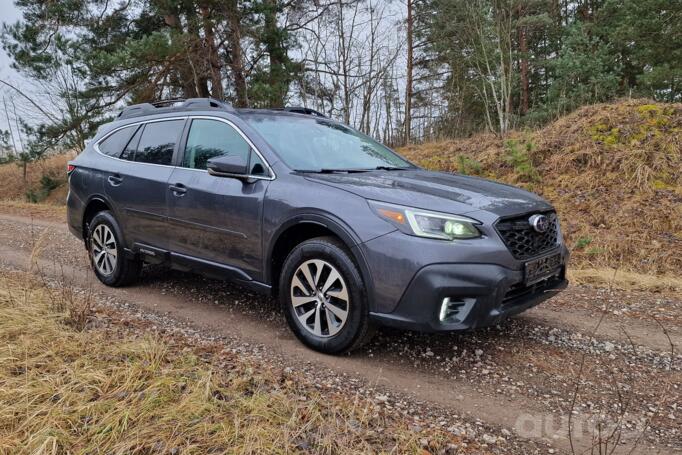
column 327, row 261
column 115, row 271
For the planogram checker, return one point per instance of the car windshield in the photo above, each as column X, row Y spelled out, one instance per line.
column 319, row 145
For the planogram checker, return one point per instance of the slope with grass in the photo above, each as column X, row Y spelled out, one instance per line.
column 45, row 180
column 41, row 194
column 613, row 171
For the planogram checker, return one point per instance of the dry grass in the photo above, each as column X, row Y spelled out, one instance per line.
column 629, row 281
column 41, row 211
column 14, row 188
column 612, row 170
column 109, row 390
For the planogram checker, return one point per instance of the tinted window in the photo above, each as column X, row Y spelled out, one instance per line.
column 113, row 145
column 158, row 142
column 210, row 138
column 129, row 151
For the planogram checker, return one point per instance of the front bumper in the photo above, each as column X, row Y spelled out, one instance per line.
column 481, row 295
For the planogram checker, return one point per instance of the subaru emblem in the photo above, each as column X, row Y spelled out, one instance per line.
column 539, row 222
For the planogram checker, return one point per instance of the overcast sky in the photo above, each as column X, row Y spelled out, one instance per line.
column 8, row 14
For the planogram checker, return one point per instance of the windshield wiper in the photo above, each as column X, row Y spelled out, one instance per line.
column 390, row 168
column 350, row 171
column 330, row 171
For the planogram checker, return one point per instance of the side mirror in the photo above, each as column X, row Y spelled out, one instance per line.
column 227, row 166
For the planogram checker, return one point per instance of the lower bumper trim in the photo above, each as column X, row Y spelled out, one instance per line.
column 498, row 293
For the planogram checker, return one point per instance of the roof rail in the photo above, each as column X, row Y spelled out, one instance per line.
column 172, row 105
column 302, row 110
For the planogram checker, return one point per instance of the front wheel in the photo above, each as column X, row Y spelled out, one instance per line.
column 105, row 245
column 324, row 297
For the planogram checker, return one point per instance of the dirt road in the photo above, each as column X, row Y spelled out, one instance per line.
column 518, row 380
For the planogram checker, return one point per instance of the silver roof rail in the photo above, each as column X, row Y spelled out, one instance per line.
column 173, row 105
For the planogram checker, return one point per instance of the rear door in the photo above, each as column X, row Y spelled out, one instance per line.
column 137, row 182
column 217, row 218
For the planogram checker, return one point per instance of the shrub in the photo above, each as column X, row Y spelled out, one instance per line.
column 520, row 160
column 468, row 166
column 48, row 182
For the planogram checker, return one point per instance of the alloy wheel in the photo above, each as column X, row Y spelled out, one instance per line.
column 319, row 297
column 103, row 249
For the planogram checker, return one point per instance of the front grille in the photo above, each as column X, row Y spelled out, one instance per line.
column 523, row 241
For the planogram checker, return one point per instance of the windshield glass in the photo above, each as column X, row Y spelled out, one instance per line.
column 314, row 144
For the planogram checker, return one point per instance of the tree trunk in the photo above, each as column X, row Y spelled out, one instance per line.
column 277, row 77
column 14, row 144
column 523, row 44
column 410, row 66
column 213, row 60
column 236, row 60
column 198, row 65
column 183, row 67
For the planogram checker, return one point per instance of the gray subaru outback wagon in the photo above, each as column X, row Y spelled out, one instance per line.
column 344, row 231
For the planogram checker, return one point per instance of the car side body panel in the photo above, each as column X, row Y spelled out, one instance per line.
column 217, row 219
column 138, row 194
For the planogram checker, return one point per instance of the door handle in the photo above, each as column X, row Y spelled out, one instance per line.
column 115, row 180
column 178, row 189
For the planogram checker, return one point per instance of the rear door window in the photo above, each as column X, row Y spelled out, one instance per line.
column 158, row 141
column 114, row 144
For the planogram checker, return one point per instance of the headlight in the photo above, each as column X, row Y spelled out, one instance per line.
column 424, row 223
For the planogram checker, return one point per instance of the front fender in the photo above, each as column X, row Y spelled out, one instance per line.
column 332, row 223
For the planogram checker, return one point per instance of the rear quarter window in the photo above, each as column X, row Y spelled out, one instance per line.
column 113, row 145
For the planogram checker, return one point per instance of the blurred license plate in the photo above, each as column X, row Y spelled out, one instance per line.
column 541, row 268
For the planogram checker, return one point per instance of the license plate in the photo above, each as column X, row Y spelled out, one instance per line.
column 539, row 269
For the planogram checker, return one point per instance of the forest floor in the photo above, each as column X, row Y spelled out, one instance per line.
column 608, row 359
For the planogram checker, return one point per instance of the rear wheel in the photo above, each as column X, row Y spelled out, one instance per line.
column 105, row 245
column 324, row 297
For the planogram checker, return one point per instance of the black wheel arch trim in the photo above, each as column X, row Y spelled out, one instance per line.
column 337, row 227
column 98, row 197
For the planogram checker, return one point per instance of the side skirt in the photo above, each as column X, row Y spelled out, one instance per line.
column 186, row 263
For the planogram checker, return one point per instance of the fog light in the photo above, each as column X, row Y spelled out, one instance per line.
column 444, row 309
column 455, row 310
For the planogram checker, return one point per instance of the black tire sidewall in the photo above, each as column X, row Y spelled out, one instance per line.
column 356, row 324
column 107, row 218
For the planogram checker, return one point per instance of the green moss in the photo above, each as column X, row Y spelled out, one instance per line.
column 659, row 185
column 583, row 242
column 606, row 134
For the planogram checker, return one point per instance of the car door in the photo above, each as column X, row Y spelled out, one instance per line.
column 211, row 218
column 137, row 182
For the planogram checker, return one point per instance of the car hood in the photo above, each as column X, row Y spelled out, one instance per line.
column 438, row 191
